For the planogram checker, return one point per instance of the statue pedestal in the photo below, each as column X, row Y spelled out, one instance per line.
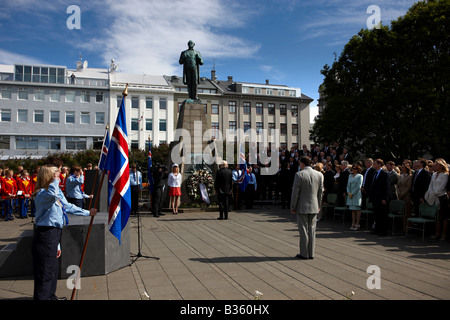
column 190, row 150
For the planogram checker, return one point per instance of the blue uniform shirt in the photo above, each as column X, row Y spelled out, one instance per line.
column 73, row 187
column 49, row 213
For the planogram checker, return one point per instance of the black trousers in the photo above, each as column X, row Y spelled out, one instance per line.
column 45, row 263
column 78, row 202
column 249, row 195
column 157, row 199
column 223, row 205
column 381, row 215
column 134, row 199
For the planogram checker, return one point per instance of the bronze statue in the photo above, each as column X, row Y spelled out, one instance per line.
column 191, row 61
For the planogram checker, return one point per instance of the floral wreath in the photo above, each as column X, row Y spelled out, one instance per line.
column 194, row 180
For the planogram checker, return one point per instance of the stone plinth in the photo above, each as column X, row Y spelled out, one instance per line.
column 190, row 149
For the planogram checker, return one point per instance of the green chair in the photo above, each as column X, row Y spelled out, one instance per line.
column 427, row 214
column 396, row 210
column 340, row 211
column 366, row 212
column 331, row 202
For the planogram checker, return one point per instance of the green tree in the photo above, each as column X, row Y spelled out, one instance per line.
column 387, row 94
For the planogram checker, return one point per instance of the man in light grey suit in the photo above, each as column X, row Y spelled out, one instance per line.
column 306, row 201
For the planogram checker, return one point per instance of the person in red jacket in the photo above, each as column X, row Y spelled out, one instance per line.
column 24, row 193
column 62, row 179
column 33, row 185
column 9, row 191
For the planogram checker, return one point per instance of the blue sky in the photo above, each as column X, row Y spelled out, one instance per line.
column 285, row 41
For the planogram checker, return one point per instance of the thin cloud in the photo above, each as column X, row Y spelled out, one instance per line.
column 8, row 57
column 147, row 37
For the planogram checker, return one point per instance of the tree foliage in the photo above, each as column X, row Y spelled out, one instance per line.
column 388, row 93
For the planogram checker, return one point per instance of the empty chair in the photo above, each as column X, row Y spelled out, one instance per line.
column 331, row 202
column 427, row 214
column 365, row 213
column 396, row 210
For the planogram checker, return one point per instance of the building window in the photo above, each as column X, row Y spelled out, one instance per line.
column 247, row 107
column 295, row 129
column 271, row 108
column 54, row 116
column 149, row 124
column 206, row 108
column 257, row 90
column 54, row 95
column 282, row 109
column 76, row 143
column 259, row 108
column 283, row 128
column 292, row 93
column 23, row 94
column 85, row 97
column 280, row 92
column 162, row 103
column 259, row 127
column 232, row 126
column 162, row 125
column 6, row 92
column 134, row 124
column 269, row 92
column 135, row 102
column 22, row 115
column 134, row 144
column 214, row 109
column 232, row 107
column 70, row 116
column 294, row 110
column 215, row 130
column 149, row 102
column 38, row 143
column 5, row 115
column 247, row 126
column 39, row 116
column 99, row 97
column 70, row 96
column 85, row 118
column 39, row 94
column 271, row 127
column 99, row 118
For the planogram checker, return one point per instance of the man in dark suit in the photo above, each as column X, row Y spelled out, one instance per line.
column 222, row 185
column 367, row 180
column 160, row 175
column 379, row 196
column 421, row 181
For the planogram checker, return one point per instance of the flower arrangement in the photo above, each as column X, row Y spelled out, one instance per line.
column 194, row 180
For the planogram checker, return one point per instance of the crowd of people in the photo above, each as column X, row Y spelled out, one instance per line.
column 355, row 183
column 17, row 188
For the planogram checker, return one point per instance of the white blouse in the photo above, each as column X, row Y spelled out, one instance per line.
column 174, row 180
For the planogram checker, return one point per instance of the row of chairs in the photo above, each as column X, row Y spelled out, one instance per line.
column 427, row 213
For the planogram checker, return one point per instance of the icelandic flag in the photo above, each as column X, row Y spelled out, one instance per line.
column 119, row 175
column 244, row 177
column 101, row 163
column 149, row 168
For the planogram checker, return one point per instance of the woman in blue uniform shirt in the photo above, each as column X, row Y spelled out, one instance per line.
column 74, row 193
column 51, row 209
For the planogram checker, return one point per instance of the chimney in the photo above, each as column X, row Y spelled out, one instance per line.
column 230, row 78
column 213, row 75
column 267, row 81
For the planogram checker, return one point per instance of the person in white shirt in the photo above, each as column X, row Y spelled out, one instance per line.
column 174, row 183
column 136, row 187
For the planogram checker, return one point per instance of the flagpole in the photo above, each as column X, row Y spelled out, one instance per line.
column 97, row 199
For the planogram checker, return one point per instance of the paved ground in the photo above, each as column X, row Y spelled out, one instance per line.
column 201, row 258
